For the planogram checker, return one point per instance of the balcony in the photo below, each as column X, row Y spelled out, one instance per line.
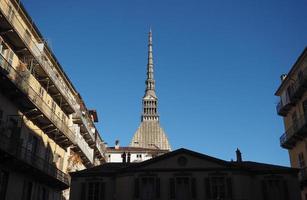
column 86, row 128
column 294, row 94
column 100, row 149
column 12, row 28
column 18, row 157
column 295, row 133
column 283, row 108
column 17, row 86
column 86, row 153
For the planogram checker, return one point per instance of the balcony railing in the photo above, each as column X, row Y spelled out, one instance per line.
column 23, row 84
column 296, row 132
column 87, row 151
column 37, row 52
column 17, row 150
column 294, row 93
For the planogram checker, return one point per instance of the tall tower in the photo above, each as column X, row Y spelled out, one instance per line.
column 150, row 134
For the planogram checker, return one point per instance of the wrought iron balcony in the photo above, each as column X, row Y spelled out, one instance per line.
column 296, row 132
column 14, row 154
column 33, row 105
column 17, row 31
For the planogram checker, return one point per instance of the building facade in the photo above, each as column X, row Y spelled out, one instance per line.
column 150, row 134
column 186, row 175
column 119, row 154
column 292, row 107
column 46, row 129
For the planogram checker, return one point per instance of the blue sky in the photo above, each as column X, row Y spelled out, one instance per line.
column 217, row 66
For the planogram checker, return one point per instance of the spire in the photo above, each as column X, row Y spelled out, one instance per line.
column 150, row 82
column 150, row 99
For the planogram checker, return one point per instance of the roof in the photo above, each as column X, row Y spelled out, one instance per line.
column 135, row 149
column 104, row 169
column 248, row 166
column 150, row 134
column 293, row 68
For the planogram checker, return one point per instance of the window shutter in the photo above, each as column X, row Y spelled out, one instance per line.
column 158, row 188
column 136, row 188
column 229, row 187
column 83, row 191
column 172, row 188
column 286, row 190
column 208, row 188
column 264, row 190
column 193, row 189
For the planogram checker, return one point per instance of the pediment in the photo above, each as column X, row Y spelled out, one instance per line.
column 184, row 159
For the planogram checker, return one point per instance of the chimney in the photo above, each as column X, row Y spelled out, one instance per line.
column 124, row 157
column 239, row 155
column 283, row 77
column 116, row 144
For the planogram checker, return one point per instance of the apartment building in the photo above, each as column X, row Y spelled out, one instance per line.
column 46, row 130
column 292, row 107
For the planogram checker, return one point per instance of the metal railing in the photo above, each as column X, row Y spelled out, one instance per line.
column 294, row 129
column 100, row 146
column 20, row 152
column 23, row 83
column 36, row 51
column 87, row 151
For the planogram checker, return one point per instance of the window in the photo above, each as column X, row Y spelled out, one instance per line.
column 1, row 116
column 1, row 52
column 10, row 59
column 27, row 190
column 63, row 117
column 294, row 121
column 94, row 190
column 53, row 106
column 218, row 187
column 274, row 188
column 11, row 13
column 301, row 160
column 183, row 188
column 27, row 36
column 305, row 107
column 41, row 91
column 147, row 187
column 4, row 177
